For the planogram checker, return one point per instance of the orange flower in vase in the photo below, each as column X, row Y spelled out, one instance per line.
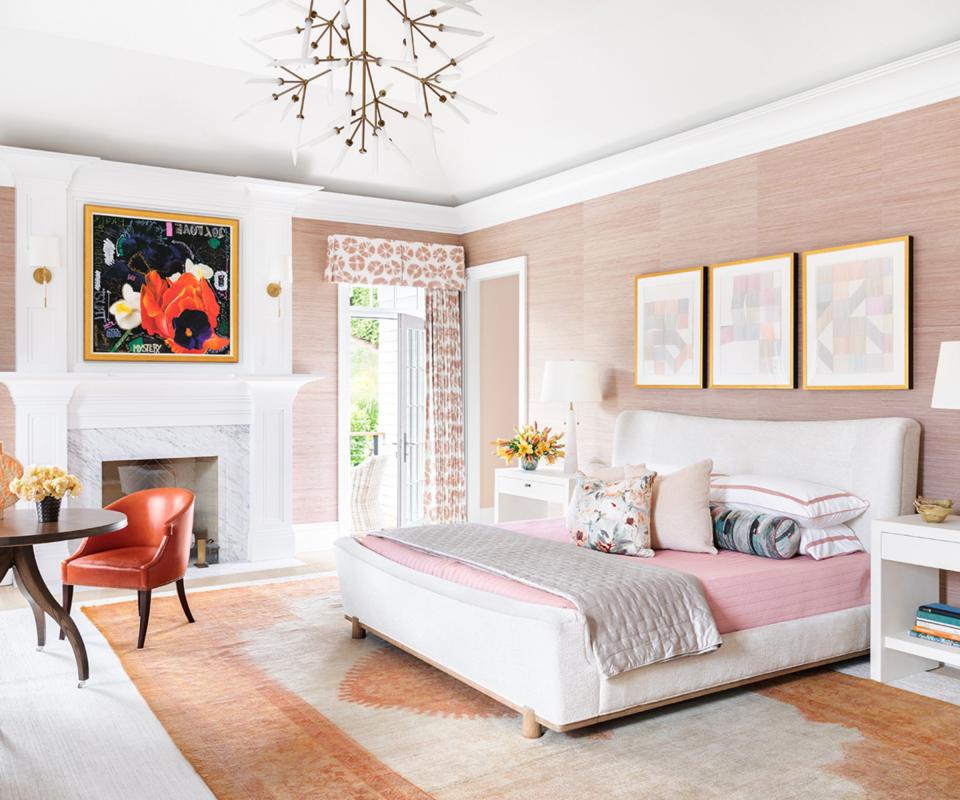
column 528, row 445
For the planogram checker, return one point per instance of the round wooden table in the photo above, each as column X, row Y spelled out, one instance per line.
column 19, row 532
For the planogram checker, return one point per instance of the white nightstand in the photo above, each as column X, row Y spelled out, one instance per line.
column 906, row 557
column 535, row 494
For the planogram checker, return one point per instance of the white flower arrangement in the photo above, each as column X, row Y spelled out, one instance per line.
column 41, row 482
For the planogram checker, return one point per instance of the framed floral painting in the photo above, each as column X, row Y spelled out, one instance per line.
column 856, row 316
column 159, row 286
column 752, row 332
column 669, row 316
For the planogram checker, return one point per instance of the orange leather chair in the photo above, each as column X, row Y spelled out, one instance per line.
column 152, row 551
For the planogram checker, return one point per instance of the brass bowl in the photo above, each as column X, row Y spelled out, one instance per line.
column 932, row 510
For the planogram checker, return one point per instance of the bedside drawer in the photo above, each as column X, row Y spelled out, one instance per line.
column 533, row 489
column 923, row 552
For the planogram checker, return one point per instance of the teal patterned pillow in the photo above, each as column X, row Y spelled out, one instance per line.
column 755, row 534
column 614, row 516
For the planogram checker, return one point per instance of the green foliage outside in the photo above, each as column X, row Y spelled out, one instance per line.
column 364, row 371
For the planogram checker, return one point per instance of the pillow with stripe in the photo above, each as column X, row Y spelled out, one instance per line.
column 837, row 540
column 812, row 505
column 755, row 534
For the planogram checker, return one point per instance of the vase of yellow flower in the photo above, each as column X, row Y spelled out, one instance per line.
column 46, row 486
column 528, row 445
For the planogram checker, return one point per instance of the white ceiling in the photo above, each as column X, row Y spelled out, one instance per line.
column 160, row 83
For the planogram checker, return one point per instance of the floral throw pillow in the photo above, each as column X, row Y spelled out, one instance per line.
column 613, row 516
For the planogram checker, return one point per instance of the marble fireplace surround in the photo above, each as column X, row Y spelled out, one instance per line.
column 76, row 419
column 89, row 448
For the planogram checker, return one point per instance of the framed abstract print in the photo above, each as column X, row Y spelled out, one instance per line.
column 856, row 316
column 159, row 286
column 752, row 340
column 668, row 346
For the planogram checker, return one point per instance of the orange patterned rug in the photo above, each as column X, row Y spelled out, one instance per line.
column 269, row 697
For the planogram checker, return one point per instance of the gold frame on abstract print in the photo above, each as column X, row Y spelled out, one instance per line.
column 907, row 315
column 792, row 332
column 703, row 327
column 88, row 355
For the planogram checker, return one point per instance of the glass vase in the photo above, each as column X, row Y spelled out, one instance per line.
column 529, row 463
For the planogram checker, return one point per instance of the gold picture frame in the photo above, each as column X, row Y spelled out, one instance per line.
column 890, row 298
column 124, row 317
column 695, row 323
column 786, row 264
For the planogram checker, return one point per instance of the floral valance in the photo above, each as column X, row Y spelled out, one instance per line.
column 390, row 262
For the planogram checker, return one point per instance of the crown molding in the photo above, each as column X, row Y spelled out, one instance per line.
column 360, row 210
column 909, row 83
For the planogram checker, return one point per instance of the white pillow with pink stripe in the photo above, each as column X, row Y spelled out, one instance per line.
column 812, row 505
column 828, row 542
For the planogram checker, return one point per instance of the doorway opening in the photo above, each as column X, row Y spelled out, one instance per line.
column 383, row 391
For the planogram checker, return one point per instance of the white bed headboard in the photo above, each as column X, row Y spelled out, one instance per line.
column 876, row 459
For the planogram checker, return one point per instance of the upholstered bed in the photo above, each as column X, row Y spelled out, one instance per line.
column 535, row 656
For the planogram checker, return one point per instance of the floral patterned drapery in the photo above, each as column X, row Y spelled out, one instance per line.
column 390, row 262
column 445, row 480
column 439, row 269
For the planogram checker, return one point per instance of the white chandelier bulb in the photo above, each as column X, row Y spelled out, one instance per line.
column 410, row 66
column 253, row 106
column 343, row 154
column 287, row 108
column 317, row 139
column 463, row 5
column 296, row 139
column 274, row 81
column 458, row 112
column 305, row 39
column 276, row 35
column 479, row 106
column 473, row 50
column 344, row 19
column 463, row 31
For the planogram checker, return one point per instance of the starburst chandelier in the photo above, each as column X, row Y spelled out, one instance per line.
column 336, row 43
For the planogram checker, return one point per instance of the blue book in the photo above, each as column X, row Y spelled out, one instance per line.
column 937, row 639
column 941, row 608
column 942, row 619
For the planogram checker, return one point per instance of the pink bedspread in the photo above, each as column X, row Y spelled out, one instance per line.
column 743, row 591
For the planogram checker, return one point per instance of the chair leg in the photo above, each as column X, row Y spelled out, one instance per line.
column 182, row 594
column 67, row 603
column 143, row 597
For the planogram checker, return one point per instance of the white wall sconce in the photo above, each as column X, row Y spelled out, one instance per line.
column 284, row 277
column 44, row 258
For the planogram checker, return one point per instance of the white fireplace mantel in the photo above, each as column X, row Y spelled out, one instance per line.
column 50, row 405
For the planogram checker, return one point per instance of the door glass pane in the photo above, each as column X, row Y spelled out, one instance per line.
column 374, row 364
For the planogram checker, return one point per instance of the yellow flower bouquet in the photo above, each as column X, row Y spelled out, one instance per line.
column 529, row 444
column 46, row 486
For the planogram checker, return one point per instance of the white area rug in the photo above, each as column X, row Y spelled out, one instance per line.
column 101, row 742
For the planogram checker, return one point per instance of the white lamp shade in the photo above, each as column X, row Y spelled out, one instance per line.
column 946, row 388
column 45, row 251
column 571, row 381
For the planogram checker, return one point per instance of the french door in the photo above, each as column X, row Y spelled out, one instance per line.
column 412, row 418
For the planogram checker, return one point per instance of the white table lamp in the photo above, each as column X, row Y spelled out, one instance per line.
column 946, row 387
column 571, row 382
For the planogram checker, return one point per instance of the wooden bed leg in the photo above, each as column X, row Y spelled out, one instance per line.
column 531, row 729
column 358, row 631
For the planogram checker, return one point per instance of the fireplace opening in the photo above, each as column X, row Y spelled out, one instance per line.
column 198, row 474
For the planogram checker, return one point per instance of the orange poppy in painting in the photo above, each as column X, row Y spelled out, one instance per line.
column 183, row 312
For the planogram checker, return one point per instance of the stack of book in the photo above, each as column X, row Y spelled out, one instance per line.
column 938, row 622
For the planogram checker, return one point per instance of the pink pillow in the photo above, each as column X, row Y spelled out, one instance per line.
column 681, row 510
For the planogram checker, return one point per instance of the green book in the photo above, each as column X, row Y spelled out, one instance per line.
column 943, row 619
